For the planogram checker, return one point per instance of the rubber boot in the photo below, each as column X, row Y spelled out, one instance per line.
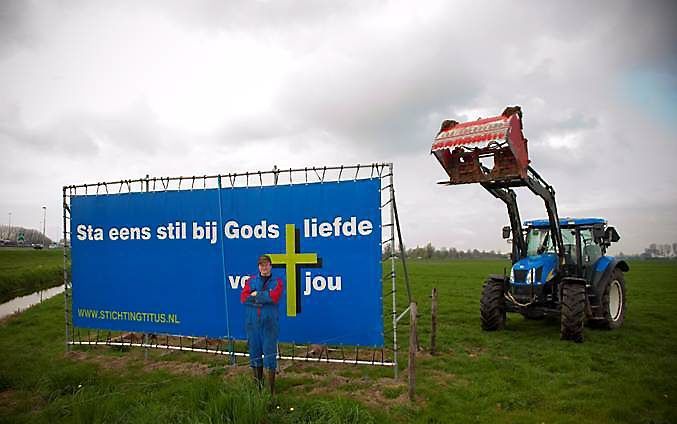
column 271, row 381
column 258, row 376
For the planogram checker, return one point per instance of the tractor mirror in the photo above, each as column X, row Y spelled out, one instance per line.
column 506, row 232
column 611, row 235
column 598, row 232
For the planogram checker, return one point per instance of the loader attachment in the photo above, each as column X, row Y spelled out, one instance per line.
column 483, row 151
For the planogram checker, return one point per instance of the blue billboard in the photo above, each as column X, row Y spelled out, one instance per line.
column 175, row 262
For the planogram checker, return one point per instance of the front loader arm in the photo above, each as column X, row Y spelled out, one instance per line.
column 542, row 189
column 509, row 197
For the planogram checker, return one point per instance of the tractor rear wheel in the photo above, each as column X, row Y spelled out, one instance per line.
column 613, row 301
column 572, row 312
column 492, row 306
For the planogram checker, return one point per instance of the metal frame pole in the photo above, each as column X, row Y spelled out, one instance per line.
column 65, row 264
column 231, row 346
column 392, row 266
column 145, row 335
column 232, row 175
column 44, row 225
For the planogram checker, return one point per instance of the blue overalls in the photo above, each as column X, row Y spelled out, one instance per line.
column 262, row 319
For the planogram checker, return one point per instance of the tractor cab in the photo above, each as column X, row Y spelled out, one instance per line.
column 534, row 287
column 585, row 241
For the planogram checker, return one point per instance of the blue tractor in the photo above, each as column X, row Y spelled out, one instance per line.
column 559, row 266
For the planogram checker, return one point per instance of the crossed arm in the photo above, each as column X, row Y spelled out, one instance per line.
column 271, row 295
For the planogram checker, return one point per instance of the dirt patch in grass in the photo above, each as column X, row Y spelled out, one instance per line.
column 371, row 393
column 117, row 363
column 104, row 361
column 475, row 352
column 312, row 378
column 8, row 400
column 185, row 368
column 440, row 378
column 6, row 319
column 12, row 400
column 379, row 393
column 232, row 371
column 425, row 355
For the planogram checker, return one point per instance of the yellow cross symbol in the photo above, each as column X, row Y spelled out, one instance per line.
column 291, row 259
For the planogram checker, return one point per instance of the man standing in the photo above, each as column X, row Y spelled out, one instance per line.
column 260, row 295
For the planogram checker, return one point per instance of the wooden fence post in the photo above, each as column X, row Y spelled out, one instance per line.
column 412, row 350
column 433, row 320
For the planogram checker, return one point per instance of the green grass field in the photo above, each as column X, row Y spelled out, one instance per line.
column 524, row 374
column 24, row 271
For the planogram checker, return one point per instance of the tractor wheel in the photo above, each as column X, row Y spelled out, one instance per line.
column 613, row 301
column 492, row 306
column 572, row 312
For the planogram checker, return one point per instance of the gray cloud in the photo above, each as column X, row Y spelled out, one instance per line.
column 269, row 18
column 372, row 81
column 61, row 138
column 17, row 28
column 83, row 135
column 399, row 88
column 647, row 35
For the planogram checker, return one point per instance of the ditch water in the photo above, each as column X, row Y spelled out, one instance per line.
column 24, row 302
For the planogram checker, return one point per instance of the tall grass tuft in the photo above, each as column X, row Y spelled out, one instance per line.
column 335, row 411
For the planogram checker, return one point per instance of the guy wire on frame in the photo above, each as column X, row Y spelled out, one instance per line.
column 317, row 174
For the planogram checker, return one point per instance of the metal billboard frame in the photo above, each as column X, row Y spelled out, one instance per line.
column 390, row 247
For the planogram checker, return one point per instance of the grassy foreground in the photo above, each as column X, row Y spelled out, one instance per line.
column 24, row 271
column 523, row 374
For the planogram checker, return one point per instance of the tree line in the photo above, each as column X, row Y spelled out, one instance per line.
column 431, row 252
column 10, row 236
column 655, row 250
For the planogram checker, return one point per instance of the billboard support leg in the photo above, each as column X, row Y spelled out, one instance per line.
column 403, row 256
column 401, row 245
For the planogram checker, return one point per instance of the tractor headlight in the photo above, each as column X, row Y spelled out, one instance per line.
column 530, row 276
column 512, row 275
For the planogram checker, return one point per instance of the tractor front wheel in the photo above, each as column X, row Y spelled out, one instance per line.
column 492, row 306
column 613, row 301
column 572, row 312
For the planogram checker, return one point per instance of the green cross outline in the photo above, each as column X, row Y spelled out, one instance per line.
column 291, row 259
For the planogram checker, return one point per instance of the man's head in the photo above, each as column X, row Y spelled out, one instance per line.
column 265, row 265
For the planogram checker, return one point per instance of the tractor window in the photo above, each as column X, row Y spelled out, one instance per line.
column 539, row 241
column 591, row 250
column 569, row 241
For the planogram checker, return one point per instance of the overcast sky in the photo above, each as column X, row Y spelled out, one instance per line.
column 95, row 91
